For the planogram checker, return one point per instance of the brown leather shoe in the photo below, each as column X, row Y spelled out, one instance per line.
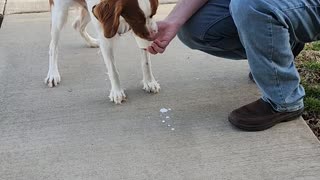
column 259, row 115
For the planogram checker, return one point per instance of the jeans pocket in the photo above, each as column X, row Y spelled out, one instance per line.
column 304, row 23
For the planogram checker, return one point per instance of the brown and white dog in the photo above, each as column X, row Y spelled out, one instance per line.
column 110, row 18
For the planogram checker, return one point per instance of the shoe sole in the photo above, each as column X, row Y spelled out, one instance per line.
column 262, row 127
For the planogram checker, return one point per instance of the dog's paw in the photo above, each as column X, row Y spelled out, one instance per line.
column 52, row 79
column 117, row 96
column 151, row 87
column 94, row 43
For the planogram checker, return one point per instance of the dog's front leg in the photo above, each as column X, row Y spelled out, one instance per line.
column 117, row 94
column 149, row 82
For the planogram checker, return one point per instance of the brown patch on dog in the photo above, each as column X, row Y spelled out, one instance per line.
column 135, row 17
column 108, row 13
column 154, row 7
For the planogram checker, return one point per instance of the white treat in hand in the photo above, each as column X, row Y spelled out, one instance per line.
column 142, row 43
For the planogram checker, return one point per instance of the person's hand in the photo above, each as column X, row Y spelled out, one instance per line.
column 166, row 32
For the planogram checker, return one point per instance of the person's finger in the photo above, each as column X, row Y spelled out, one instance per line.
column 151, row 50
column 162, row 44
column 157, row 48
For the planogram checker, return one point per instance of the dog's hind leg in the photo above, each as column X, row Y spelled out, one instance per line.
column 149, row 82
column 59, row 14
column 80, row 24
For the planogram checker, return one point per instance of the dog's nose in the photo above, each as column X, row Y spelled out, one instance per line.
column 152, row 33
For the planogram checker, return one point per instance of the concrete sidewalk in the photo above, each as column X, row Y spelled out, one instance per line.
column 74, row 132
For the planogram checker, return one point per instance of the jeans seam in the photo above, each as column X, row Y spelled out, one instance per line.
column 277, row 81
column 298, row 7
column 213, row 23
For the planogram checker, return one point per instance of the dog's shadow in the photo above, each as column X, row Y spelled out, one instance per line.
column 135, row 96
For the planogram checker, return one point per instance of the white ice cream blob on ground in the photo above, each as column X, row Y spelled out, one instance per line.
column 163, row 110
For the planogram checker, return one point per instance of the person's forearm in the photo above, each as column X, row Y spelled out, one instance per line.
column 184, row 10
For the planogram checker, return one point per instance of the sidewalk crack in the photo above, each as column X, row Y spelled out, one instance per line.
column 2, row 13
column 4, row 7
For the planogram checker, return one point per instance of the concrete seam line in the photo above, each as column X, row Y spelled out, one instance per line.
column 2, row 13
column 4, row 7
column 1, row 19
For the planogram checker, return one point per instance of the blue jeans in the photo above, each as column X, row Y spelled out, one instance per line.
column 263, row 31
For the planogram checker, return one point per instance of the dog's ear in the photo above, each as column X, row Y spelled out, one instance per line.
column 108, row 13
column 154, row 6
